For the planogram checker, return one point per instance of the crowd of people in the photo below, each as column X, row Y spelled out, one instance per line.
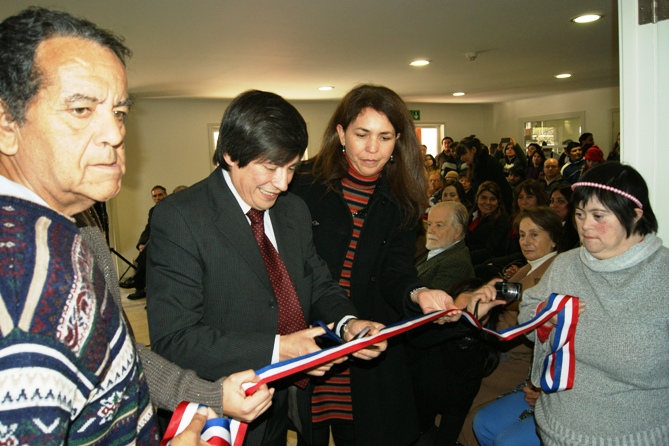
column 266, row 257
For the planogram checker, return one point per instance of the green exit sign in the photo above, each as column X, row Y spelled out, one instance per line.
column 415, row 114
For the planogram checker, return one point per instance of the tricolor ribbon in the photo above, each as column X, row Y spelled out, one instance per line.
column 560, row 365
column 217, row 431
column 558, row 374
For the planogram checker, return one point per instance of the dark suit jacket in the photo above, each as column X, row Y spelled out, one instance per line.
column 211, row 306
column 146, row 233
column 447, row 268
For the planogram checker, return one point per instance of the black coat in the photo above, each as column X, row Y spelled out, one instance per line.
column 489, row 169
column 383, row 275
column 489, row 239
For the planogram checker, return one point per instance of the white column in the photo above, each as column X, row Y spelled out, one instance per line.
column 644, row 104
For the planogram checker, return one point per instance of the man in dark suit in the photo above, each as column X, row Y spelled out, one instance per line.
column 214, row 304
column 158, row 193
column 444, row 356
column 447, row 260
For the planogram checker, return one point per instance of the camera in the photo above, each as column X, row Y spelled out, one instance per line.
column 509, row 291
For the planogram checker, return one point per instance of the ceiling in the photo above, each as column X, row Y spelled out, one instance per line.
column 219, row 48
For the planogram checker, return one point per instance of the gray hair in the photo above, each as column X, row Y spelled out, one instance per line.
column 459, row 215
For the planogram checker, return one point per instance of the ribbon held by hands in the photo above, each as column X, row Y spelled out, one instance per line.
column 559, row 366
column 273, row 372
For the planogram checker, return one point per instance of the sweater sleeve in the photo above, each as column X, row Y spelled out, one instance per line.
column 169, row 384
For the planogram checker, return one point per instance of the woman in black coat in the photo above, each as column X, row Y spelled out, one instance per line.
column 489, row 225
column 483, row 167
column 366, row 191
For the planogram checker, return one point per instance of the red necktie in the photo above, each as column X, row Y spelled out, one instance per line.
column 291, row 317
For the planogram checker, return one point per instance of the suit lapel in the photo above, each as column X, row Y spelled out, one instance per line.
column 234, row 227
column 427, row 264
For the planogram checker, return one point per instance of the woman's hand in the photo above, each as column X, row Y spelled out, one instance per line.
column 552, row 321
column 531, row 394
column 433, row 300
column 482, row 300
column 355, row 326
column 510, row 271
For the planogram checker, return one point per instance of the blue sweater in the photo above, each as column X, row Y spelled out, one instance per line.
column 68, row 370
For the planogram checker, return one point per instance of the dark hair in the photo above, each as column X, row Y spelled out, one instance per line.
column 472, row 144
column 571, row 145
column 445, row 138
column 157, row 186
column 540, row 152
column 566, row 192
column 546, row 219
column 627, row 179
column 20, row 35
column 583, row 137
column 406, row 173
column 570, row 237
column 460, row 189
column 536, row 146
column 434, row 161
column 260, row 126
column 531, row 187
column 493, row 188
column 518, row 172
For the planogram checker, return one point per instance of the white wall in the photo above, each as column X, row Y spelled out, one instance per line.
column 598, row 106
column 168, row 142
column 644, row 71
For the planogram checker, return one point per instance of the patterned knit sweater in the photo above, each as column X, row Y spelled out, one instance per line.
column 68, row 371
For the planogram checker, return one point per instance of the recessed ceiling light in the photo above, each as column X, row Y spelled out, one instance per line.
column 563, row 76
column 420, row 63
column 459, row 93
column 326, row 88
column 586, row 18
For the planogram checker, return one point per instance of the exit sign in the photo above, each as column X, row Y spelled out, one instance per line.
column 415, row 115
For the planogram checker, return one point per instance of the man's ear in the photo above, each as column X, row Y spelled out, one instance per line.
column 8, row 132
column 459, row 231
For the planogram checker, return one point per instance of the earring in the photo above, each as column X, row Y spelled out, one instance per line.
column 343, row 149
column 392, row 161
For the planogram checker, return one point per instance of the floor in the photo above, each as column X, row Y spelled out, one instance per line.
column 136, row 313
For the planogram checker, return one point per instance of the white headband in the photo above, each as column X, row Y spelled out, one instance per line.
column 610, row 189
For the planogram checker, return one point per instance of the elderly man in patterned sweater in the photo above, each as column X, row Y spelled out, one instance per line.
column 69, row 371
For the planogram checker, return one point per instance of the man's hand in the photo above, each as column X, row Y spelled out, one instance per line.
column 237, row 405
column 432, row 300
column 191, row 435
column 355, row 326
column 301, row 343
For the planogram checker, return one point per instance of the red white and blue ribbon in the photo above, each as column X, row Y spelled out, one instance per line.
column 217, row 431
column 559, row 368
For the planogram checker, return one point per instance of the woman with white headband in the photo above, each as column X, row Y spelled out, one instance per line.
column 620, row 392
